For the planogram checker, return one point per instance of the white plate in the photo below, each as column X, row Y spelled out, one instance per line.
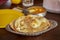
column 53, row 25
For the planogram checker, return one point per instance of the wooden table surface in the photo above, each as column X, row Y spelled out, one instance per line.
column 53, row 34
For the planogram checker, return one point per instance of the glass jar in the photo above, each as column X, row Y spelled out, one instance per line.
column 52, row 5
column 27, row 3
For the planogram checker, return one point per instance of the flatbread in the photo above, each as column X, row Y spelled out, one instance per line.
column 29, row 25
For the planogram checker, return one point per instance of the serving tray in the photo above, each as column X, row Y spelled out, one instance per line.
column 52, row 26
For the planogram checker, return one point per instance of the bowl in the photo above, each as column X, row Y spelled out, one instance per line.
column 37, row 10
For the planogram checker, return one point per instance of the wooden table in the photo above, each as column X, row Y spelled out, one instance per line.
column 50, row 35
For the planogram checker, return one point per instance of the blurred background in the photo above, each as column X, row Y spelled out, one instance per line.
column 13, row 3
